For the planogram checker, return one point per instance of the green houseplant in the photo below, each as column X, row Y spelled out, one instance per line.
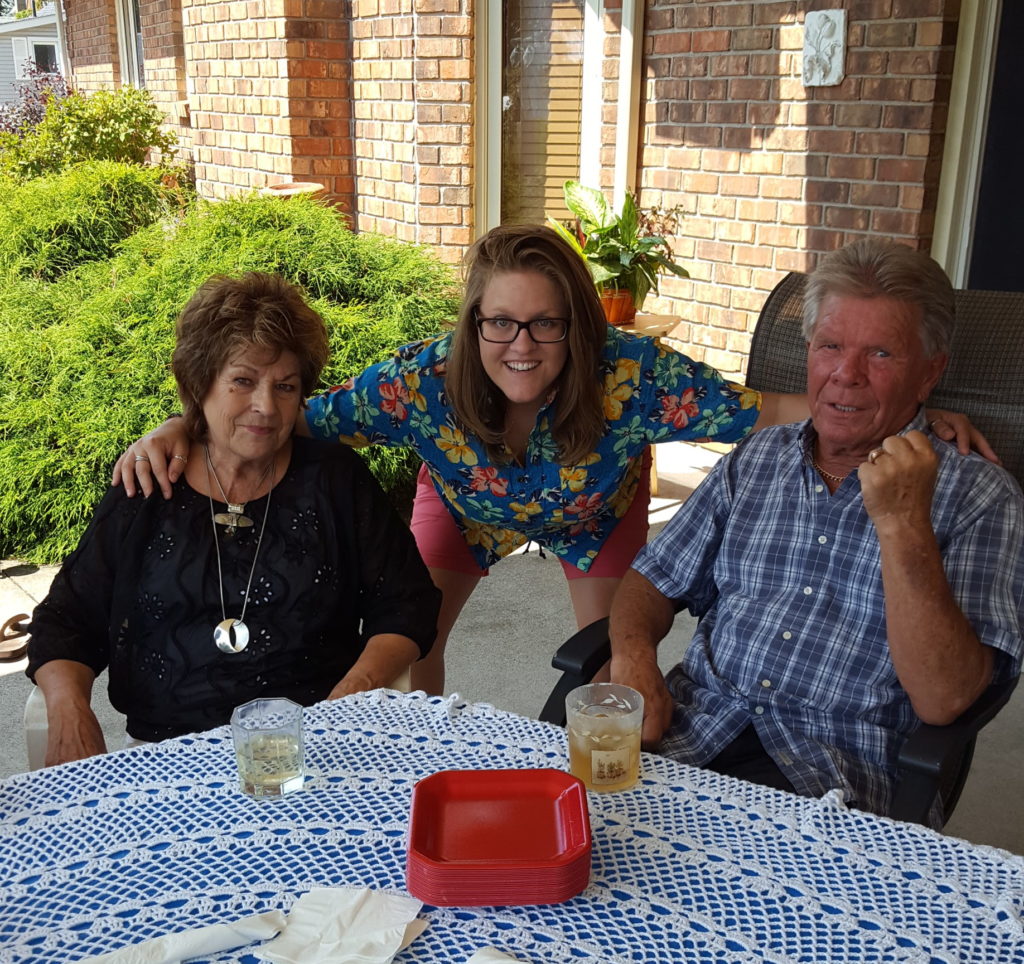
column 624, row 250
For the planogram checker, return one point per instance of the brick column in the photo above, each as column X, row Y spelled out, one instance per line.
column 269, row 93
column 92, row 44
column 412, row 74
column 164, row 63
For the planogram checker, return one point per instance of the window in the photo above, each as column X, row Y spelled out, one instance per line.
column 540, row 106
column 129, row 37
column 45, row 56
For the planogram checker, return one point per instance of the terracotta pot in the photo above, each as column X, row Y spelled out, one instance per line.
column 618, row 306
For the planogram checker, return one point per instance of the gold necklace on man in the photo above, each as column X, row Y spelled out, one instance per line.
column 829, row 477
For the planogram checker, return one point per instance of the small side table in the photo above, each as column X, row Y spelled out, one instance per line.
column 654, row 326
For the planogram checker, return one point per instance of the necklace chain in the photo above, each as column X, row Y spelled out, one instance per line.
column 827, row 475
column 239, row 624
column 236, row 507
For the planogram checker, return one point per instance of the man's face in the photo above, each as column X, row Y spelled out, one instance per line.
column 866, row 372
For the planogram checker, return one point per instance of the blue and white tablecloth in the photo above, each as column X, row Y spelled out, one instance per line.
column 688, row 866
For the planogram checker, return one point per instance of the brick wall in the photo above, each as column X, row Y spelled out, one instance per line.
column 770, row 173
column 92, row 43
column 412, row 89
column 239, row 59
column 164, row 63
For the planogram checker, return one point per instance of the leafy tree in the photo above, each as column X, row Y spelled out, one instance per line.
column 35, row 91
column 109, row 125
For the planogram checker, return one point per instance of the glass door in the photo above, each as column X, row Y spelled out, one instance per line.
column 541, row 106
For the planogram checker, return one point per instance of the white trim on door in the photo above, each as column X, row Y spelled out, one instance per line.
column 960, row 179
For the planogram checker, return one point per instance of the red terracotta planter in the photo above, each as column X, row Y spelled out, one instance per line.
column 618, row 306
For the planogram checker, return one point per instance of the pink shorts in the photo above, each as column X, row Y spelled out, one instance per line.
column 443, row 546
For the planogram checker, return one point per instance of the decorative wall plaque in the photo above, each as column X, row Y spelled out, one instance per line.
column 824, row 48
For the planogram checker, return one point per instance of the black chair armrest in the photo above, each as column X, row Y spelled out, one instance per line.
column 579, row 658
column 935, row 759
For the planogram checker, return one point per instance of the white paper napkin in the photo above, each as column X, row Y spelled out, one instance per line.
column 330, row 925
column 490, row 955
column 199, row 942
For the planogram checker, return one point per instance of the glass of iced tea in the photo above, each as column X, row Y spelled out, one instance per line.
column 604, row 722
column 267, row 734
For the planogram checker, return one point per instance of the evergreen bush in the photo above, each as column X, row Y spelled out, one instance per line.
column 85, row 358
column 51, row 224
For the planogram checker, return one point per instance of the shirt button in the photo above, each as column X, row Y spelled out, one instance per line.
column 807, row 590
column 759, row 710
column 787, row 635
column 766, row 683
column 819, row 488
column 823, row 539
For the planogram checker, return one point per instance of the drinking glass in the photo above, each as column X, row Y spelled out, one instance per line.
column 267, row 734
column 604, row 721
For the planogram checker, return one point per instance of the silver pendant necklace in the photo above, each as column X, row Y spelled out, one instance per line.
column 235, row 517
column 232, row 635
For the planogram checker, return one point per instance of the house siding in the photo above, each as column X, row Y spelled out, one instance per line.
column 21, row 33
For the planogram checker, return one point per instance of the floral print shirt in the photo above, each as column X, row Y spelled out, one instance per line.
column 651, row 394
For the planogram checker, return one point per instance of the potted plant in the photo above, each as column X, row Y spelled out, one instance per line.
column 622, row 250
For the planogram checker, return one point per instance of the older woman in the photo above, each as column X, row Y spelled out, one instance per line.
column 277, row 567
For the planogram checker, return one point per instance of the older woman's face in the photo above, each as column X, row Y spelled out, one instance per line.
column 253, row 403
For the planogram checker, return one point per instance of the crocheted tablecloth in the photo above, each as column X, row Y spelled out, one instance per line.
column 687, row 866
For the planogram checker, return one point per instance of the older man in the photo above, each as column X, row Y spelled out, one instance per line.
column 853, row 574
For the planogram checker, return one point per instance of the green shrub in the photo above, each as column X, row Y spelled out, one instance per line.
column 51, row 224
column 108, row 125
column 85, row 359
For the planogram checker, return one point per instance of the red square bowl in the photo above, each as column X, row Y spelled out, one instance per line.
column 498, row 837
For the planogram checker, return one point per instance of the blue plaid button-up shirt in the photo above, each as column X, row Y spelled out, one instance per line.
column 788, row 581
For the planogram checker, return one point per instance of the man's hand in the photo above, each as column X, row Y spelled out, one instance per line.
column 935, row 651
column 898, row 481
column 646, row 678
column 161, row 456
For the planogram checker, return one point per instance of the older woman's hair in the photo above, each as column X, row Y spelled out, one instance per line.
column 228, row 315
column 871, row 268
column 478, row 404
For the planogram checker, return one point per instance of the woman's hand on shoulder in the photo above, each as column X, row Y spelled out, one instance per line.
column 156, row 459
column 954, row 427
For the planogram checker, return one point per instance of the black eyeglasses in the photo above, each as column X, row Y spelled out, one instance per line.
column 504, row 331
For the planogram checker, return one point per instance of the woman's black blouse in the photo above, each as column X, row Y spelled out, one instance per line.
column 140, row 594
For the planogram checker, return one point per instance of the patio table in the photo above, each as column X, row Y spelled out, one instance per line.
column 687, row 866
